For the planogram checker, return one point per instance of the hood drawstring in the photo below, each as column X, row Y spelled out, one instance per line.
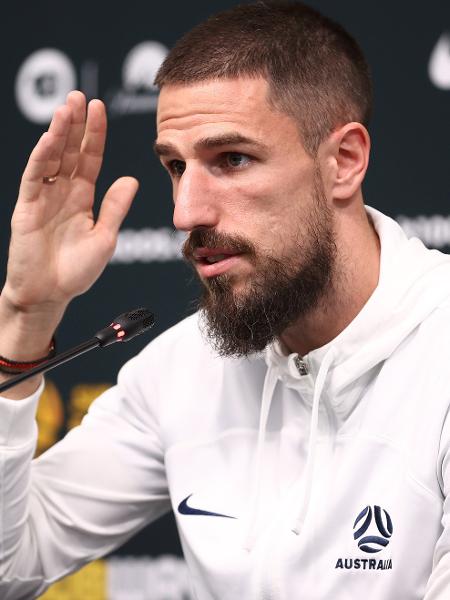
column 270, row 383
column 307, row 476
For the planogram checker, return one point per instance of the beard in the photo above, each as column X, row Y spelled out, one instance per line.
column 284, row 287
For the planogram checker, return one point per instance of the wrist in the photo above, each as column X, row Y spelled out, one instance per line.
column 15, row 367
column 26, row 333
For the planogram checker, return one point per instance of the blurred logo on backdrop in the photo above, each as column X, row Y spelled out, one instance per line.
column 148, row 245
column 126, row 578
column 138, row 94
column 55, row 416
column 42, row 83
column 439, row 64
column 47, row 75
column 433, row 230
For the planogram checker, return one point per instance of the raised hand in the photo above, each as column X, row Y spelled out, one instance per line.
column 57, row 250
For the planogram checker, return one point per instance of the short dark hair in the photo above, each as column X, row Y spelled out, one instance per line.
column 316, row 71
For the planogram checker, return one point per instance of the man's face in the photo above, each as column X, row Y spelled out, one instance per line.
column 261, row 232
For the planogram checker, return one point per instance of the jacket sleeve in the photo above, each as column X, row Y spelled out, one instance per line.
column 438, row 586
column 86, row 495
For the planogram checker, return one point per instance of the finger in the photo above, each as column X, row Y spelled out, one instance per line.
column 32, row 178
column 59, row 128
column 93, row 145
column 77, row 102
column 44, row 156
column 116, row 204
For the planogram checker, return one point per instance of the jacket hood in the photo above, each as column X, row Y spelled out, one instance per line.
column 413, row 282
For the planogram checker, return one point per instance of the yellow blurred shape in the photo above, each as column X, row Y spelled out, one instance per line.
column 81, row 398
column 87, row 584
column 50, row 417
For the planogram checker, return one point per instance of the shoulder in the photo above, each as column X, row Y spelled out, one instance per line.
column 433, row 335
column 181, row 345
column 439, row 318
column 184, row 354
column 186, row 334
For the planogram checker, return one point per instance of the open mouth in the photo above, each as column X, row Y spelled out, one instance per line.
column 214, row 261
column 209, row 260
column 209, row 256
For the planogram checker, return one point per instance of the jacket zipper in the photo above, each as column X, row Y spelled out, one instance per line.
column 302, row 365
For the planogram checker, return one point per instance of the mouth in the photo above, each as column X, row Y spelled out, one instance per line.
column 214, row 261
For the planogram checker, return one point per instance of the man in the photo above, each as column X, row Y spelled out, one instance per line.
column 298, row 424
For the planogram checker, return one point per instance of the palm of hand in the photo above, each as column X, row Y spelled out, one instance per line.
column 57, row 249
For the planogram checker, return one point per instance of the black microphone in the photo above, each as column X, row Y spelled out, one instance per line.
column 123, row 328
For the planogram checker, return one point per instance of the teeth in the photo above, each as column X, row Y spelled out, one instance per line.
column 216, row 258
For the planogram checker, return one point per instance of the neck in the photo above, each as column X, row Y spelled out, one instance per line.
column 354, row 280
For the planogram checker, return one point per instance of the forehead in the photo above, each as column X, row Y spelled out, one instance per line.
column 219, row 106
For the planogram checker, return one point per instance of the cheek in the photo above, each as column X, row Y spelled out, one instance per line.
column 265, row 206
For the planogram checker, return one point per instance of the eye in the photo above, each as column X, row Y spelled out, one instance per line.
column 176, row 167
column 236, row 160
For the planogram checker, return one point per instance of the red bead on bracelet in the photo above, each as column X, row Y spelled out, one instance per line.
column 13, row 366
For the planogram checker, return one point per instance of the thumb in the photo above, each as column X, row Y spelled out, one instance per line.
column 116, row 204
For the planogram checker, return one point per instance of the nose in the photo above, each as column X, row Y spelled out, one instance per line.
column 195, row 202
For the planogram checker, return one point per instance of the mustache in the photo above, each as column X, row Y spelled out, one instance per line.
column 210, row 238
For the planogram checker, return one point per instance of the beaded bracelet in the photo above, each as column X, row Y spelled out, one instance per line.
column 14, row 367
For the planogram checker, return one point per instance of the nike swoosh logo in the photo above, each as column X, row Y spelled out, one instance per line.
column 185, row 509
column 439, row 65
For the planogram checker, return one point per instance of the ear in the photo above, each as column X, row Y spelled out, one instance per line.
column 349, row 148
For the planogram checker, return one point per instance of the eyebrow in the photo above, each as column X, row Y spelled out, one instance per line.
column 226, row 139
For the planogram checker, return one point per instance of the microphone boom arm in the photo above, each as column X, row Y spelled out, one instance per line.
column 124, row 327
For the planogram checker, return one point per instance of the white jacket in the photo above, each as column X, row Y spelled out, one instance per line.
column 321, row 479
